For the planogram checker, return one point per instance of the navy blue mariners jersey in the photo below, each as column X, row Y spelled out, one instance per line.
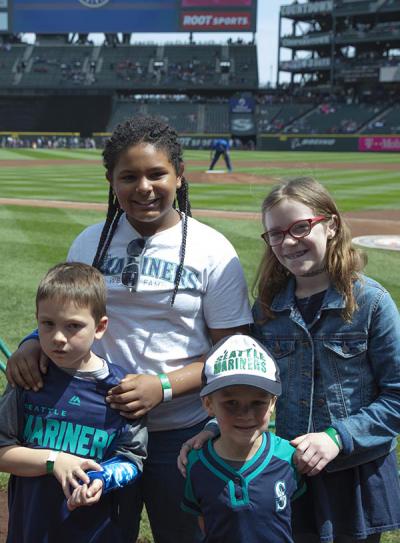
column 70, row 415
column 248, row 505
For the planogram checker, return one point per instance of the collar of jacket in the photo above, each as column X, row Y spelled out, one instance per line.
column 286, row 299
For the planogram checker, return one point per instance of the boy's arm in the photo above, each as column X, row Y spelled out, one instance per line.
column 131, row 444
column 14, row 458
column 125, row 459
column 26, row 462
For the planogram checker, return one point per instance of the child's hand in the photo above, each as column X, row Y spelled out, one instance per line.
column 70, row 471
column 85, row 495
column 314, row 452
column 196, row 442
column 136, row 395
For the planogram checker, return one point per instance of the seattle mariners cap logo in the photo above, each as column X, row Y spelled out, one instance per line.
column 240, row 360
column 94, row 3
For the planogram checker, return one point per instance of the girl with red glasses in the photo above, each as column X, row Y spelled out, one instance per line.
column 334, row 333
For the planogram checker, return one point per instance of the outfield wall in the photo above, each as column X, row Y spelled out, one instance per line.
column 265, row 142
column 329, row 142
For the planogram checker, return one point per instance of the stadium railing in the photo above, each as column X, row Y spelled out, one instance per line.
column 6, row 352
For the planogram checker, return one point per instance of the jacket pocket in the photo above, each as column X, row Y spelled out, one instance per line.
column 346, row 348
column 279, row 348
column 349, row 377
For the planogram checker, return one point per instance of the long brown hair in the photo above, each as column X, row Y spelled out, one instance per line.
column 343, row 260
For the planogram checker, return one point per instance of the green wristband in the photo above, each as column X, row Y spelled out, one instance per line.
column 166, row 387
column 332, row 433
column 50, row 462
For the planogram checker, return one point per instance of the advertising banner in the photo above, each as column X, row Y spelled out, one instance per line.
column 379, row 144
column 64, row 16
column 242, row 105
column 243, row 125
column 208, row 21
column 289, row 142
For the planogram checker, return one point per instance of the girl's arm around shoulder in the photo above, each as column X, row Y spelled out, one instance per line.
column 137, row 394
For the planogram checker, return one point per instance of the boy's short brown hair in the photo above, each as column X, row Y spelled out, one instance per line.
column 75, row 282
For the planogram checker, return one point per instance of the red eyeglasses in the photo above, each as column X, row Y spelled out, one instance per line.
column 298, row 229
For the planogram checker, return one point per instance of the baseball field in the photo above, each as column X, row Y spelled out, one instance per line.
column 48, row 196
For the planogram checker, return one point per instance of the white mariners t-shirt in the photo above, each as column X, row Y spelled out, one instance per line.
column 147, row 335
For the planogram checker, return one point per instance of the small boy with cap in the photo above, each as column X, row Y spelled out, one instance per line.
column 241, row 482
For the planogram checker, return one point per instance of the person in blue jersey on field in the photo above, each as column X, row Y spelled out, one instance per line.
column 220, row 146
column 64, row 446
column 240, row 484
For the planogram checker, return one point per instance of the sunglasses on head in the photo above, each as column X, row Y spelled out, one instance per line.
column 130, row 273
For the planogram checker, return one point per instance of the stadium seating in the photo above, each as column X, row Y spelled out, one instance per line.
column 333, row 118
column 11, row 57
column 386, row 123
column 282, row 116
column 123, row 67
column 182, row 116
column 57, row 66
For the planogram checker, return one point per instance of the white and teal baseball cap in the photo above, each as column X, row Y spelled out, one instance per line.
column 240, row 360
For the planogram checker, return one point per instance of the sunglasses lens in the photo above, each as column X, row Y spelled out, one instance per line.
column 129, row 275
column 135, row 247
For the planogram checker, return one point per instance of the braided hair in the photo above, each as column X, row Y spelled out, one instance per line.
column 127, row 134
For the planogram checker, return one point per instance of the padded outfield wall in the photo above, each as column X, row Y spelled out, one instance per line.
column 329, row 142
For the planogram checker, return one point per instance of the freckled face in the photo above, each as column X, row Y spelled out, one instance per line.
column 299, row 256
column 145, row 183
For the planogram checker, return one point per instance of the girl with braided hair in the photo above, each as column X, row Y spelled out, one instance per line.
column 175, row 287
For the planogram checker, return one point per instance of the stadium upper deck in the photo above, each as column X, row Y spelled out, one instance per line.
column 172, row 67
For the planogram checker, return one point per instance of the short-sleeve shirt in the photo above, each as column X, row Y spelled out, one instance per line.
column 145, row 334
column 249, row 504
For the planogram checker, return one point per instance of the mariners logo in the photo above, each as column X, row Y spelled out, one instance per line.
column 280, row 496
column 93, row 3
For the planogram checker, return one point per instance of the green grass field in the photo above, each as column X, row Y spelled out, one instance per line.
column 32, row 239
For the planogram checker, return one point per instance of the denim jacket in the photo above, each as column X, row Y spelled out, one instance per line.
column 338, row 373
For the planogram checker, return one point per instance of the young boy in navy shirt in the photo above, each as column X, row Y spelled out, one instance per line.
column 64, row 446
column 240, row 483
